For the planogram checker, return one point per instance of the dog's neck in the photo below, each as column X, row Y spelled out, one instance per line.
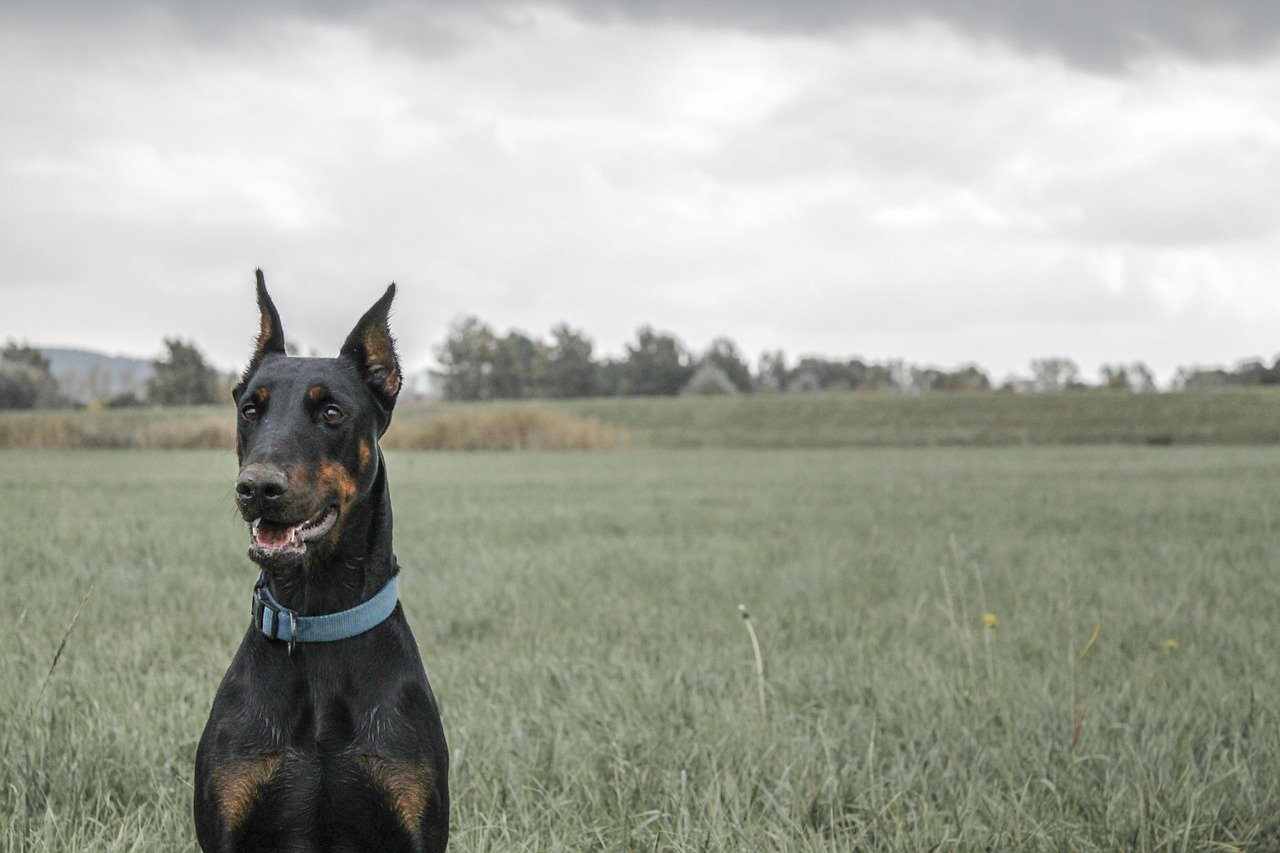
column 353, row 569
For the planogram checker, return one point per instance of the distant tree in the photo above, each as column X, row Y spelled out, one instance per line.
column 1054, row 374
column 1255, row 372
column 16, row 353
column 710, row 379
column 1251, row 371
column 570, row 370
column 810, row 374
column 771, row 371
column 1115, row 377
column 897, row 375
column 922, row 379
column 611, row 377
column 26, row 380
column 19, row 385
column 183, row 378
column 1141, row 378
column 803, row 382
column 1191, row 378
column 829, row 374
column 878, row 377
column 516, row 364
column 862, row 377
column 968, row 377
column 466, row 358
column 477, row 364
column 656, row 364
column 723, row 353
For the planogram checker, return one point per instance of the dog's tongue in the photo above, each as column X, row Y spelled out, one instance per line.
column 273, row 535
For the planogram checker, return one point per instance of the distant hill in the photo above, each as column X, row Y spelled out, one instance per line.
column 85, row 375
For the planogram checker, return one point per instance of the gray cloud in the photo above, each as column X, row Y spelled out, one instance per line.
column 1101, row 35
column 804, row 180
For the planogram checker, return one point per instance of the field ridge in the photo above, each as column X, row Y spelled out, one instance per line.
column 1237, row 416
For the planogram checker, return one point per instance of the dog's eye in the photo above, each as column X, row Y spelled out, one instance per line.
column 249, row 411
column 331, row 413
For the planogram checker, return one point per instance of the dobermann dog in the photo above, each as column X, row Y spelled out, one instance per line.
column 324, row 734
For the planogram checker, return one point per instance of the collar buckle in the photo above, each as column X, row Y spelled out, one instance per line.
column 271, row 625
column 257, row 605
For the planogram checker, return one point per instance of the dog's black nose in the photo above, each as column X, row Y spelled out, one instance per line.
column 261, row 484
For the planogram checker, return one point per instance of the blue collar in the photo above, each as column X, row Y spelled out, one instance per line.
column 280, row 623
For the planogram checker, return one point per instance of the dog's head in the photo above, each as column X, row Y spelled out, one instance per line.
column 307, row 434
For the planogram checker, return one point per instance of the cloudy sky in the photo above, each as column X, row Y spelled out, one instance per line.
column 943, row 182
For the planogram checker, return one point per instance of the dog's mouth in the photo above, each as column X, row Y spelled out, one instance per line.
column 273, row 540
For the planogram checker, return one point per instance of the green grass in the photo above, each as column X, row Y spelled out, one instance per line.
column 578, row 617
column 1228, row 416
column 1223, row 416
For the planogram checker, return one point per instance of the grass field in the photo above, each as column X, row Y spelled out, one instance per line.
column 1220, row 416
column 578, row 617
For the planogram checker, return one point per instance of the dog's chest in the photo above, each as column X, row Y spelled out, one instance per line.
column 312, row 751
column 331, row 774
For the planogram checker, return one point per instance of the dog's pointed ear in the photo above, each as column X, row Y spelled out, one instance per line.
column 270, row 333
column 373, row 350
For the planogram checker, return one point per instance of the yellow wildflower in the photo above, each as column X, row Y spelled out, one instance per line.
column 990, row 620
column 1170, row 643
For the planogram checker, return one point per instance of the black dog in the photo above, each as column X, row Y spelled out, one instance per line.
column 324, row 734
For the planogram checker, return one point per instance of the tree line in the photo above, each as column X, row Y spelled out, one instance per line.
column 477, row 363
column 182, row 376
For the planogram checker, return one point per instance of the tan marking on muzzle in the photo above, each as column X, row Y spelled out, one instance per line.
column 336, row 478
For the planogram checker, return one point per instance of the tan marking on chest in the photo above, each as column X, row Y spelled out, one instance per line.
column 406, row 785
column 239, row 785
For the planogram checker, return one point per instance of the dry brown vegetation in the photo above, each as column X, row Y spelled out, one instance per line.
column 76, row 431
column 1224, row 416
column 507, row 428
column 488, row 428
